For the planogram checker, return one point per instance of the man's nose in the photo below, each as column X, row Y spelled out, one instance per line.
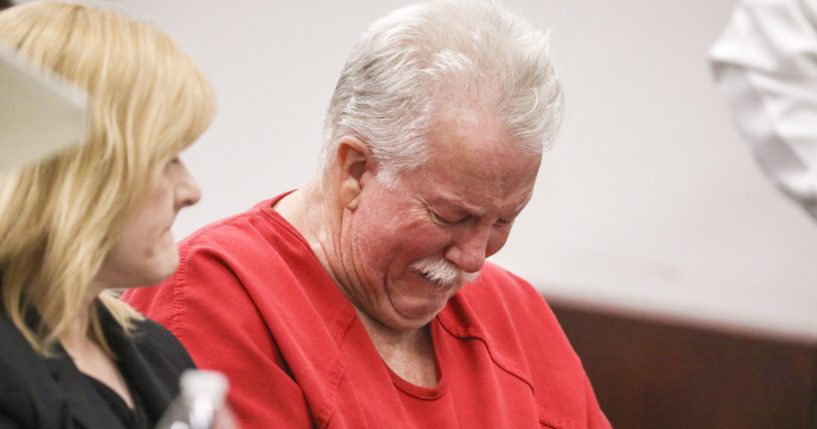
column 469, row 250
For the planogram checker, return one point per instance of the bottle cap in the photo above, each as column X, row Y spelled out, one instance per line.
column 212, row 384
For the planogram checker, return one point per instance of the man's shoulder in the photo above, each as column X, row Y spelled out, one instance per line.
column 506, row 311
column 500, row 286
column 258, row 235
column 238, row 260
column 520, row 331
column 235, row 228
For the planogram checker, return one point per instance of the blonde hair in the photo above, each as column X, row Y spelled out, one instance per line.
column 60, row 217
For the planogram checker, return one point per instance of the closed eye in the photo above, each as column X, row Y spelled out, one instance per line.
column 503, row 222
column 446, row 221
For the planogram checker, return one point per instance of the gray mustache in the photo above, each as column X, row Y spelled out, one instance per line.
column 442, row 272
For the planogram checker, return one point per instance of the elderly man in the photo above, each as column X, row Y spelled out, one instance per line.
column 363, row 300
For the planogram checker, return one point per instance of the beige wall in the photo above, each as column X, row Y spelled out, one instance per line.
column 649, row 202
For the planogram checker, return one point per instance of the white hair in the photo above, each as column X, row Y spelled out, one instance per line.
column 387, row 94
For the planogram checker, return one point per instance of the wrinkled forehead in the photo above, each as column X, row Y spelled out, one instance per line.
column 471, row 135
column 473, row 161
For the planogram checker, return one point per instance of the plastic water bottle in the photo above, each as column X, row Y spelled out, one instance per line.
column 201, row 403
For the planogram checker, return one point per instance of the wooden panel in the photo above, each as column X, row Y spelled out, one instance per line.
column 656, row 374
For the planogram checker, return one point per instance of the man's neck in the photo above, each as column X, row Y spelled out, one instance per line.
column 304, row 209
column 410, row 354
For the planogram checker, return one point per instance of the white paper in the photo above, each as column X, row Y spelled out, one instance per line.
column 40, row 113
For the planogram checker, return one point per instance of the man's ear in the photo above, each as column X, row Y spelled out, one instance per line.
column 354, row 160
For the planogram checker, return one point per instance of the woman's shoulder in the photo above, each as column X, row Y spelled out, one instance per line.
column 149, row 335
column 15, row 352
column 151, row 343
column 152, row 359
column 25, row 379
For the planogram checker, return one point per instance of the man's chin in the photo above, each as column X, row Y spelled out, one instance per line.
column 418, row 313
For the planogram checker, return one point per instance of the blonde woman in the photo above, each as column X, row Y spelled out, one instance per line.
column 93, row 218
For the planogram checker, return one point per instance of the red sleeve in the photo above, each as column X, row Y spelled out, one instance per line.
column 575, row 376
column 205, row 305
column 519, row 325
column 573, row 373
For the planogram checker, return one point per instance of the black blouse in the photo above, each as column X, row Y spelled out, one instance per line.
column 51, row 393
column 131, row 418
